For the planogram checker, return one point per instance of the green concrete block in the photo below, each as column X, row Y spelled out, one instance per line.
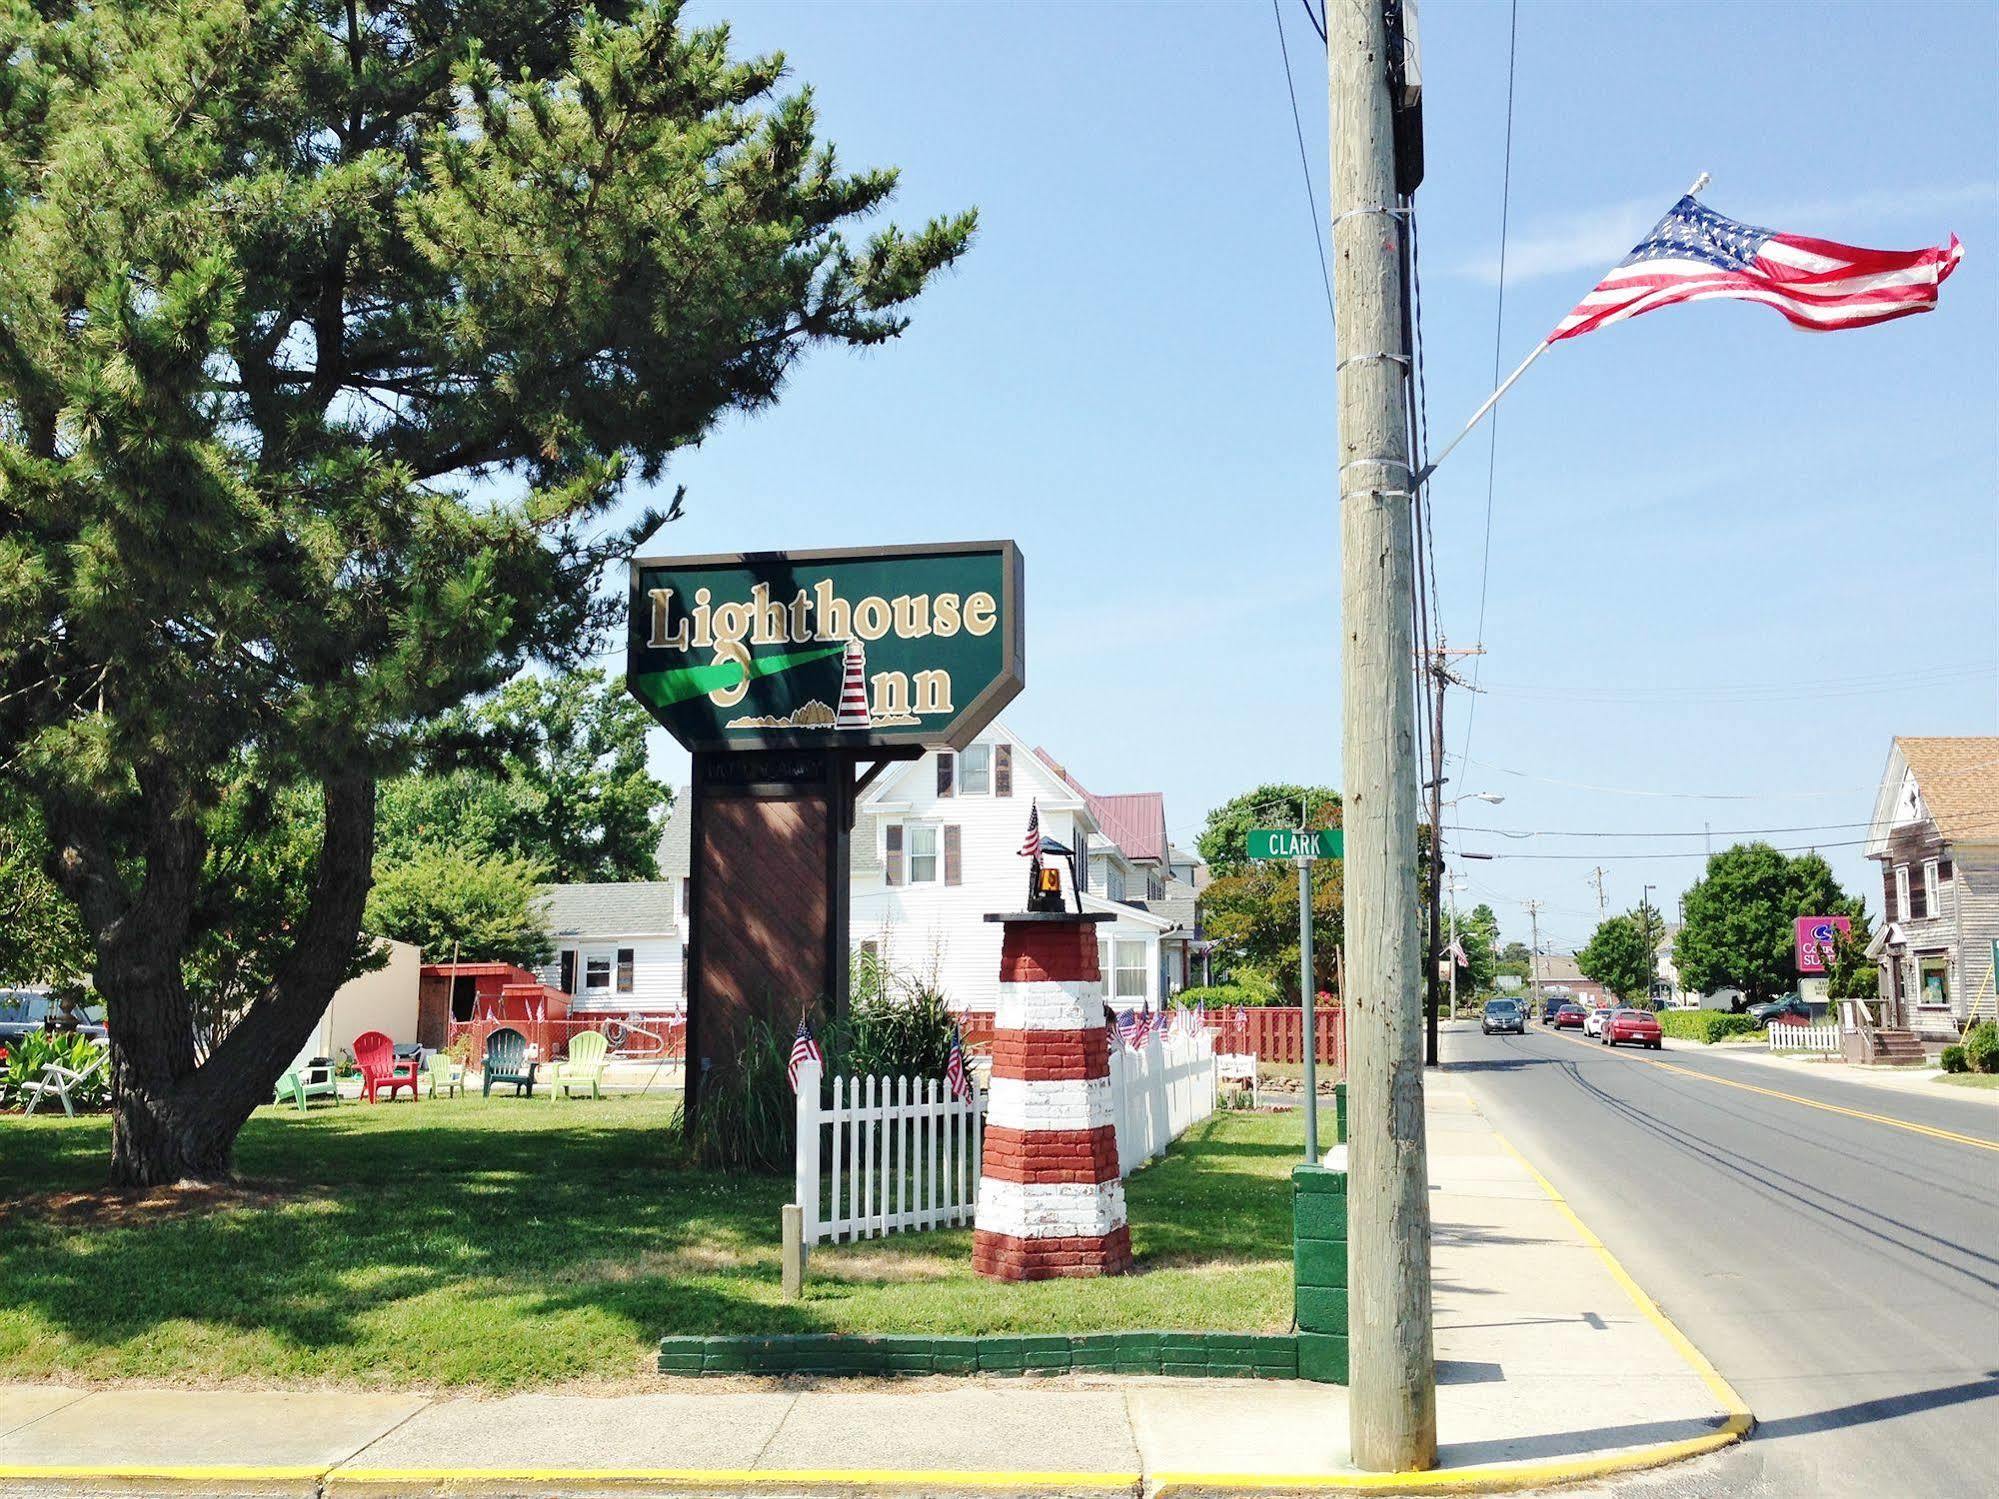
column 1001, row 1356
column 1322, row 1357
column 1183, row 1348
column 1094, row 1351
column 1185, row 1371
column 680, row 1363
column 1322, row 1309
column 956, row 1356
column 1046, row 1352
column 1320, row 1215
column 1137, row 1352
column 1319, row 1262
column 912, row 1363
column 725, row 1356
column 1231, row 1371
column 1318, row 1179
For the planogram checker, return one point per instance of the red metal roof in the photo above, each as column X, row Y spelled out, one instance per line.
column 1134, row 821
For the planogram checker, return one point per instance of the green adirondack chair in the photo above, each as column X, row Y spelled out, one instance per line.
column 308, row 1080
column 584, row 1069
column 447, row 1072
column 507, row 1062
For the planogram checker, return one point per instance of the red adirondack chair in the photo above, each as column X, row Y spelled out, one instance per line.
column 375, row 1055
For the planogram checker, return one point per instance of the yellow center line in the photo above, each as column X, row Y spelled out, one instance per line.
column 1811, row 1103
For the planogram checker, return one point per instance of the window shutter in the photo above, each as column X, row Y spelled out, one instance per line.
column 954, row 854
column 945, row 761
column 892, row 862
column 1002, row 770
column 569, row 970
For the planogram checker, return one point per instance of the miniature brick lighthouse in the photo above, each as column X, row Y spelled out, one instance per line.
column 1050, row 1199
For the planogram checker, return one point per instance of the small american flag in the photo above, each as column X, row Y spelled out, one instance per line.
column 1141, row 1028
column 1030, row 846
column 1127, row 1027
column 1694, row 254
column 954, row 1071
column 803, row 1049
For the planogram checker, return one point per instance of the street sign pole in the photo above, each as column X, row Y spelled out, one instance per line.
column 1306, row 995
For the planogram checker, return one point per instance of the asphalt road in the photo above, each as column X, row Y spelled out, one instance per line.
column 1841, row 1271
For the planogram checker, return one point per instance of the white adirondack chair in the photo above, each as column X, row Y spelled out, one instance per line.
column 58, row 1079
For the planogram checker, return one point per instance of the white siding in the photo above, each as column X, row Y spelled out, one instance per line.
column 939, row 932
column 657, row 986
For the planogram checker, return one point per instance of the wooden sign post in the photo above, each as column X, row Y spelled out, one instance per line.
column 796, row 678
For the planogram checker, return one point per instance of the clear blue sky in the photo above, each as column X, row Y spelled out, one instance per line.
column 1700, row 518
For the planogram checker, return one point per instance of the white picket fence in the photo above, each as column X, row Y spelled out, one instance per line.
column 1159, row 1092
column 897, row 1155
column 889, row 1154
column 1823, row 1038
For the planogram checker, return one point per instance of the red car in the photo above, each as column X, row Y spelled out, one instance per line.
column 1633, row 1025
column 1569, row 1017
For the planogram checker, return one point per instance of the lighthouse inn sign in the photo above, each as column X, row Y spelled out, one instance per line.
column 847, row 649
column 796, row 678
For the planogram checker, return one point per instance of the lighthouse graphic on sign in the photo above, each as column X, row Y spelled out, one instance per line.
column 853, row 712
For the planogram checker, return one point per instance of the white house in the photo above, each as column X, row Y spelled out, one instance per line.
column 619, row 947
column 936, row 846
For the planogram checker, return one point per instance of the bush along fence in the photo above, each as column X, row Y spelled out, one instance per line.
column 1705, row 1026
column 882, row 1155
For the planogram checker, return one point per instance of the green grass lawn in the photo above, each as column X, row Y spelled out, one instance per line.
column 1970, row 1079
column 510, row 1244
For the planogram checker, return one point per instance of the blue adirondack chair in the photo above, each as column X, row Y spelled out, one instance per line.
column 507, row 1062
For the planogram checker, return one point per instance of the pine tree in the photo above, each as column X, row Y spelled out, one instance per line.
column 329, row 333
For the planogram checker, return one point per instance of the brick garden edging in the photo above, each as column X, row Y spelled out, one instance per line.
column 1209, row 1355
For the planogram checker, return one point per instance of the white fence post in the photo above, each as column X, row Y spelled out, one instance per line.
column 805, row 1184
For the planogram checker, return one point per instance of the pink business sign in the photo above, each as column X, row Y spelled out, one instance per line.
column 1815, row 934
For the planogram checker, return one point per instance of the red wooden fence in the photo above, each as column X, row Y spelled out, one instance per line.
column 1277, row 1033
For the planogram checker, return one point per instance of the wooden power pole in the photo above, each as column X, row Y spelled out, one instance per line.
column 1393, row 1391
column 1439, row 667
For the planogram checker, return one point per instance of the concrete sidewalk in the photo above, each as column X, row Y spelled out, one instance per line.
column 1552, row 1367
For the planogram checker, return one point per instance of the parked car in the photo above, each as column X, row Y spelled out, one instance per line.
column 1570, row 1017
column 1641, row 1026
column 1790, row 1010
column 25, row 1011
column 1503, row 1015
column 1593, row 1020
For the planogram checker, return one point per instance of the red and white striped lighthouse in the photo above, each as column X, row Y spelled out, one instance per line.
column 1050, row 1199
column 853, row 709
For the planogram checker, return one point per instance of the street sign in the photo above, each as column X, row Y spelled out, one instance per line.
column 1294, row 843
column 1815, row 940
column 850, row 649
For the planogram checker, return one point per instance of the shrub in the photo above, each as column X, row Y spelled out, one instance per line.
column 1255, row 994
column 905, row 1033
column 27, row 1057
column 1705, row 1026
column 1981, row 1047
column 1954, row 1059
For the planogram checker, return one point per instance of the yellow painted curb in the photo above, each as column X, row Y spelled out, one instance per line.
column 929, row 1478
column 1812, row 1103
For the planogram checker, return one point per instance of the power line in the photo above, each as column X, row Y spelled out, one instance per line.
column 1802, row 848
column 1304, row 162
column 1498, row 332
column 1712, row 796
column 1313, row 16
column 1808, row 827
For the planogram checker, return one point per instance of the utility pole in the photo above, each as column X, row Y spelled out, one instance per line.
column 1534, row 954
column 1651, row 941
column 1596, row 875
column 1439, row 668
column 1452, row 886
column 1393, row 1395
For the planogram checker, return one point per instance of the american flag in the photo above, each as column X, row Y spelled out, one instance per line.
column 954, row 1071
column 803, row 1049
column 1030, row 846
column 1127, row 1027
column 1140, row 1029
column 1694, row 254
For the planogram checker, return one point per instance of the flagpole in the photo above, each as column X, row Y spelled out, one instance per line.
column 1423, row 475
